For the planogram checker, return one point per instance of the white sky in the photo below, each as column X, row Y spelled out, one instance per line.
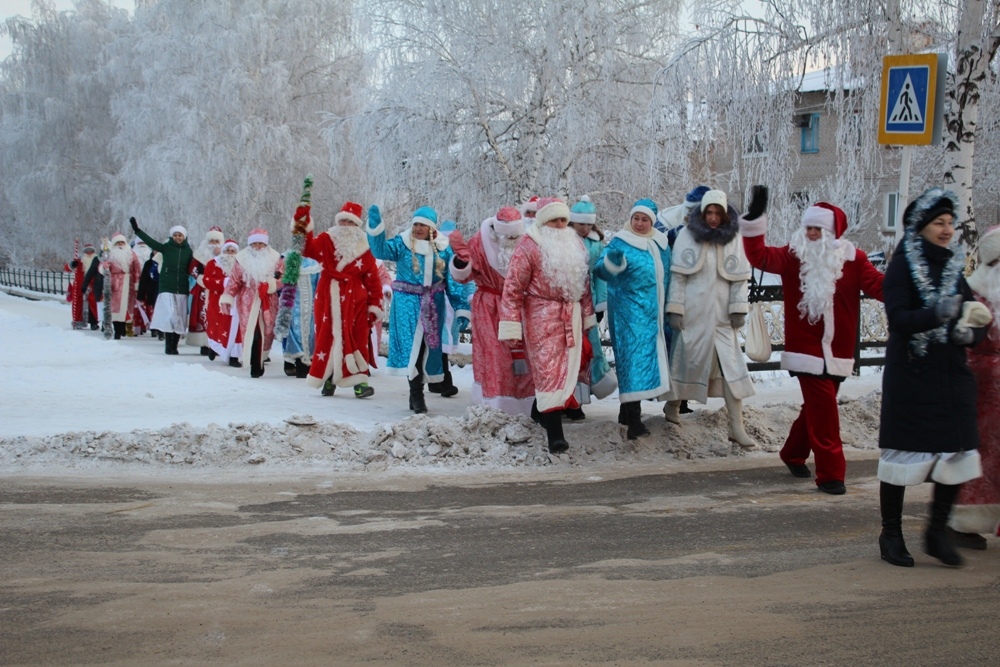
column 10, row 8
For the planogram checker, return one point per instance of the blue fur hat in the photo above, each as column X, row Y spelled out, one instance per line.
column 694, row 197
column 647, row 206
column 447, row 226
column 425, row 215
column 583, row 212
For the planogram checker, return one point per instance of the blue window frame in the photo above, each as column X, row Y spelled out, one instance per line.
column 810, row 135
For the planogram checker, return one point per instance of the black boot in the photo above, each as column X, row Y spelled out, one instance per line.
column 328, row 387
column 235, row 362
column 119, row 328
column 171, row 341
column 937, row 541
column 575, row 414
column 205, row 351
column 636, row 429
column 536, row 416
column 301, row 369
column 289, row 369
column 417, row 403
column 445, row 387
column 890, row 542
column 622, row 414
column 552, row 422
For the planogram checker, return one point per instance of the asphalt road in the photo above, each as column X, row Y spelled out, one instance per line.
column 714, row 564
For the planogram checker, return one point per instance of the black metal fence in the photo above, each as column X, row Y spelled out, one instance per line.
column 46, row 282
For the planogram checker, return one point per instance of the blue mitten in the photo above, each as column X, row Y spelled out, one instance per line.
column 374, row 217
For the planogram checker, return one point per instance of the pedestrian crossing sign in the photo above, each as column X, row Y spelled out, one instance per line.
column 911, row 104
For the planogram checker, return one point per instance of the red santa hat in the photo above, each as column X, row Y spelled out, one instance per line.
column 530, row 206
column 551, row 208
column 230, row 242
column 215, row 234
column 89, row 247
column 825, row 216
column 350, row 212
column 257, row 235
column 508, row 222
column 119, row 237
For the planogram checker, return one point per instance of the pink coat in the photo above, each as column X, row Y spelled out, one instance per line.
column 492, row 362
column 552, row 328
column 123, row 287
column 245, row 294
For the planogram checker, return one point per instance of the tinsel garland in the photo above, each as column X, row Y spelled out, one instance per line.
column 293, row 263
column 930, row 294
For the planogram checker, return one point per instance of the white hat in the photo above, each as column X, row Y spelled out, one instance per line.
column 717, row 197
column 178, row 228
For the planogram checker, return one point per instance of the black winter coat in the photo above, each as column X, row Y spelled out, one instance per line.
column 929, row 402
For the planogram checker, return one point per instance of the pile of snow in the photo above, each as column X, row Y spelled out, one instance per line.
column 71, row 399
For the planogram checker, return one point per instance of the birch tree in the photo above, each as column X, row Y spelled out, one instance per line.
column 479, row 103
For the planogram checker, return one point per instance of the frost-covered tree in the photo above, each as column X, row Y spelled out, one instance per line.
column 479, row 103
column 220, row 113
column 55, row 130
column 735, row 83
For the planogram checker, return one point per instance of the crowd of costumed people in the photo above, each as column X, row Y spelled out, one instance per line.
column 531, row 286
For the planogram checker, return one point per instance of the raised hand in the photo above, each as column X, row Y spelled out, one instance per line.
column 758, row 202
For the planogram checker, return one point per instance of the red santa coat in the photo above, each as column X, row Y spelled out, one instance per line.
column 198, row 318
column 829, row 343
column 74, row 293
column 222, row 329
column 256, row 302
column 492, row 363
column 123, row 287
column 534, row 310
column 348, row 290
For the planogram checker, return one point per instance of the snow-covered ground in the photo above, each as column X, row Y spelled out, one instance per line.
column 72, row 400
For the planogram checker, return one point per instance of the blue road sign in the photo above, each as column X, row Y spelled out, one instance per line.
column 906, row 108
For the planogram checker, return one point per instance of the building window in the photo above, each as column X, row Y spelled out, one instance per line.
column 891, row 212
column 810, row 133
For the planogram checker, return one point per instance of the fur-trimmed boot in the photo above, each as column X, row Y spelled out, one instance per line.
column 937, row 541
column 890, row 542
column 417, row 403
column 734, row 407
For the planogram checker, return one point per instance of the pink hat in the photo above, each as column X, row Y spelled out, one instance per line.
column 551, row 208
column 230, row 242
column 215, row 234
column 508, row 222
column 257, row 235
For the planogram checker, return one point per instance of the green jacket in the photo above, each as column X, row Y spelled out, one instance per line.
column 176, row 263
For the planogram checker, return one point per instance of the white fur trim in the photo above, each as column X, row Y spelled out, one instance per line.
column 589, row 321
column 642, row 209
column 585, row 218
column 551, row 211
column 975, row 518
column 178, row 228
column 508, row 404
column 818, row 216
column 509, row 331
column 801, row 363
column 272, row 285
column 751, row 228
column 226, row 298
column 257, row 238
column 379, row 313
column 463, row 313
column 601, row 307
column 213, row 235
column 615, row 270
column 421, row 220
column 606, row 385
column 461, row 275
column 377, row 229
column 912, row 468
column 344, row 215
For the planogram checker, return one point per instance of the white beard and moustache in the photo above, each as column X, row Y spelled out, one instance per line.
column 206, row 251
column 821, row 266
column 350, row 242
column 258, row 265
column 121, row 257
column 226, row 262
column 564, row 261
column 991, row 292
column 143, row 252
column 505, row 250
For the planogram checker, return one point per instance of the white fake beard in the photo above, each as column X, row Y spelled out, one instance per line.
column 505, row 250
column 821, row 266
column 991, row 292
column 121, row 257
column 206, row 251
column 258, row 265
column 350, row 242
column 143, row 252
column 564, row 261
column 226, row 262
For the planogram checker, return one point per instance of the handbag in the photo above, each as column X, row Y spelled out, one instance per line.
column 758, row 339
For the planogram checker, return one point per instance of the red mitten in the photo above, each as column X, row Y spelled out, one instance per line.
column 302, row 220
column 459, row 246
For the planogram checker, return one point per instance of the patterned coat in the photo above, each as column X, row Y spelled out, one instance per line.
column 223, row 329
column 123, row 287
column 553, row 329
column 496, row 383
column 255, row 302
column 637, row 299
column 198, row 317
column 410, row 289
column 347, row 292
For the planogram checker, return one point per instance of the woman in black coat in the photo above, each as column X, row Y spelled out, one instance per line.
column 928, row 426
